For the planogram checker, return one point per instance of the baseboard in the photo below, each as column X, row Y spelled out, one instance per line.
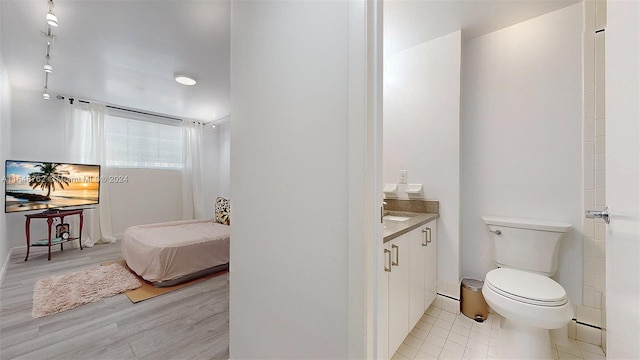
column 5, row 265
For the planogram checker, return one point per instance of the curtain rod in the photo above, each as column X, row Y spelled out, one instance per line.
column 71, row 100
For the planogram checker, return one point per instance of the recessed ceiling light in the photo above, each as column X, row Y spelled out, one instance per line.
column 185, row 80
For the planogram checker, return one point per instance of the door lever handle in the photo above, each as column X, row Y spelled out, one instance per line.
column 595, row 214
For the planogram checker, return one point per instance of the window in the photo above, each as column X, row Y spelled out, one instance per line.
column 134, row 143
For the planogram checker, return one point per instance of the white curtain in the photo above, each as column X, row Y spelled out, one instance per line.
column 193, row 206
column 85, row 143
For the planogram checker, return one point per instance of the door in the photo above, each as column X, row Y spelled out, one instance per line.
column 622, row 180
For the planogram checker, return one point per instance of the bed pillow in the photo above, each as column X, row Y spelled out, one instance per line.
column 223, row 212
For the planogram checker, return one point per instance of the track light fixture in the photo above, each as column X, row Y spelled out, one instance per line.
column 51, row 18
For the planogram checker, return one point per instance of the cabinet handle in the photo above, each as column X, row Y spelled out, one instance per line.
column 397, row 262
column 388, row 253
column 427, row 236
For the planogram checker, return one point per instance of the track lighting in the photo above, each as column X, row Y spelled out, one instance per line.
column 51, row 18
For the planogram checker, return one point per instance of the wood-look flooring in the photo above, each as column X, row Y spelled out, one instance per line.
column 189, row 323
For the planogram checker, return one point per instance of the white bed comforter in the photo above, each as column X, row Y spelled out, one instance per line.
column 166, row 251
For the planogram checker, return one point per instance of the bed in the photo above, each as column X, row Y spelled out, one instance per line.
column 169, row 253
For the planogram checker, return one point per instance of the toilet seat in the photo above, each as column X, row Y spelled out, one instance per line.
column 526, row 287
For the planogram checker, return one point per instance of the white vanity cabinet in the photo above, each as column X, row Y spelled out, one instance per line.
column 397, row 251
column 410, row 268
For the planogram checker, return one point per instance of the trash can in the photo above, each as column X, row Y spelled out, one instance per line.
column 472, row 303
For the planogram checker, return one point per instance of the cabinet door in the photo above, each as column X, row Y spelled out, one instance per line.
column 417, row 263
column 431, row 268
column 398, row 292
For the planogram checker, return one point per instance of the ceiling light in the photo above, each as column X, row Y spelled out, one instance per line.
column 47, row 67
column 185, row 80
column 45, row 94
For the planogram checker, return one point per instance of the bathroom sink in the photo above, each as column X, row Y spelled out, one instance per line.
column 396, row 218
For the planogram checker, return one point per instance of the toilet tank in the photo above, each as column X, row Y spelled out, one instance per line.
column 527, row 244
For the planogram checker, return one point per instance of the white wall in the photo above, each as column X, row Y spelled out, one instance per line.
column 5, row 146
column 290, row 157
column 422, row 135
column 37, row 130
column 522, row 135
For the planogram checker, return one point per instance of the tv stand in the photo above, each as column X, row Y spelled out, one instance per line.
column 50, row 215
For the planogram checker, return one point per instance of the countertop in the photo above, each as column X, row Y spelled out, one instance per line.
column 393, row 229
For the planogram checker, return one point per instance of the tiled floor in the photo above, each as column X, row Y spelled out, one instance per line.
column 443, row 335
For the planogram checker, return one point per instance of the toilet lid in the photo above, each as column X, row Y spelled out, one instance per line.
column 526, row 287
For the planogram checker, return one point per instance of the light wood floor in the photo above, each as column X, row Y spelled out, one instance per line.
column 190, row 323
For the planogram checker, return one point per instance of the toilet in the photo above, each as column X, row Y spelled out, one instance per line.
column 521, row 290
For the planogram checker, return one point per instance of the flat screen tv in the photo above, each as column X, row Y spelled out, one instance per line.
column 35, row 185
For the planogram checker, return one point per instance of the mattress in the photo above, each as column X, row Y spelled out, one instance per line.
column 172, row 250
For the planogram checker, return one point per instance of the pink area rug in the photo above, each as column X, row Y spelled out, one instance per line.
column 64, row 292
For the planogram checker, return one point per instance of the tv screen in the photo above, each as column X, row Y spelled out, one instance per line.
column 33, row 185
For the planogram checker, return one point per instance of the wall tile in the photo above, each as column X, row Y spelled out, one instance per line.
column 437, row 302
column 590, row 316
column 589, row 76
column 588, row 250
column 572, row 329
column 599, row 249
column 590, row 16
column 589, row 103
column 600, row 162
column 589, row 47
column 600, row 197
column 599, row 145
column 588, row 228
column 600, row 231
column 591, row 310
column 589, row 128
column 589, row 278
column 589, row 178
column 599, row 282
column 589, row 154
column 600, row 109
column 601, row 14
column 597, row 297
column 600, row 268
column 600, row 179
column 450, row 305
column 589, row 199
column 600, row 126
column 600, row 93
column 588, row 334
column 588, row 296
